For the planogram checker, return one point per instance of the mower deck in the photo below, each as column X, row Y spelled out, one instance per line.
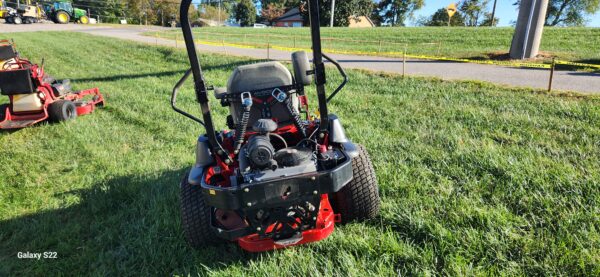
column 324, row 227
column 22, row 120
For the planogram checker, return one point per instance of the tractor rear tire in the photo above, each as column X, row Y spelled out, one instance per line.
column 196, row 216
column 62, row 110
column 62, row 17
column 359, row 199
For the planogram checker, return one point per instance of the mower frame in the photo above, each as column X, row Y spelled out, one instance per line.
column 312, row 188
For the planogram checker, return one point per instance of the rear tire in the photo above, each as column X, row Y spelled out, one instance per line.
column 196, row 216
column 17, row 20
column 62, row 110
column 359, row 199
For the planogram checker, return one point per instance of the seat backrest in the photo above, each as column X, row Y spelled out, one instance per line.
column 7, row 52
column 17, row 81
column 259, row 76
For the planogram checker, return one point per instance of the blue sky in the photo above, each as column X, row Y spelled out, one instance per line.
column 504, row 10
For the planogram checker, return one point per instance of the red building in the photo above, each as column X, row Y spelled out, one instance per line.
column 292, row 18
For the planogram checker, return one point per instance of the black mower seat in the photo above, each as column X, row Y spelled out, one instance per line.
column 7, row 52
column 259, row 76
column 17, row 81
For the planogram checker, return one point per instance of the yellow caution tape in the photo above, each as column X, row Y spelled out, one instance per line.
column 578, row 64
column 401, row 54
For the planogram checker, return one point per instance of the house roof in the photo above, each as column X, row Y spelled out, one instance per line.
column 291, row 15
column 357, row 19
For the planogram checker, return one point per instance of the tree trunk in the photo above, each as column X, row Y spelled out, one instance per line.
column 559, row 13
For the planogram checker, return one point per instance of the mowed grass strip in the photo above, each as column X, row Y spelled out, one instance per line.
column 474, row 178
column 572, row 44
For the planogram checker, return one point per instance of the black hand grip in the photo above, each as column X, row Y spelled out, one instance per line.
column 342, row 72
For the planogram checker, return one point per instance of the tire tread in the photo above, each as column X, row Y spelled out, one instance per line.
column 195, row 216
column 359, row 199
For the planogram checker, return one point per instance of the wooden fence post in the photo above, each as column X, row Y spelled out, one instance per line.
column 551, row 74
column 404, row 61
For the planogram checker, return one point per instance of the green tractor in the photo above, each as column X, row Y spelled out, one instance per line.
column 62, row 12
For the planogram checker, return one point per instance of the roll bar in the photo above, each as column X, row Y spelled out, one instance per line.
column 201, row 88
column 199, row 83
column 319, row 66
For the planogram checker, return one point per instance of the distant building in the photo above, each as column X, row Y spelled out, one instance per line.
column 292, row 18
column 360, row 22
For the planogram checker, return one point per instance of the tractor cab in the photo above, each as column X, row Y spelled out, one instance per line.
column 53, row 8
column 65, row 6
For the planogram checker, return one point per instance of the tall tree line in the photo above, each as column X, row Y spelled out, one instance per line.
column 386, row 12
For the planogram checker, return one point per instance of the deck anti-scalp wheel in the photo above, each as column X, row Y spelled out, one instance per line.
column 359, row 199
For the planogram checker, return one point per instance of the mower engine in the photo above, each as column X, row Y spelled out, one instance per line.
column 259, row 161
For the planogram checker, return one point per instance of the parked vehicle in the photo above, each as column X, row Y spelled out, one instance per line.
column 62, row 12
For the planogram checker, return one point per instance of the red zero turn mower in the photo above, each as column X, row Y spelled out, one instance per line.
column 35, row 96
column 278, row 178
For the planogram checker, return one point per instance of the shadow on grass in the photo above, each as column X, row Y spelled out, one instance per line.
column 113, row 78
column 125, row 224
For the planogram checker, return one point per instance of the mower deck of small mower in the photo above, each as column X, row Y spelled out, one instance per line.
column 35, row 96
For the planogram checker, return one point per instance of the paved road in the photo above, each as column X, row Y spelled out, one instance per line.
column 514, row 77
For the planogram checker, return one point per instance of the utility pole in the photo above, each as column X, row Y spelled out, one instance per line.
column 494, row 14
column 528, row 32
column 219, row 12
column 332, row 12
column 162, row 18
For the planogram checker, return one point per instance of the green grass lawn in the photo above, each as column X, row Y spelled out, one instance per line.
column 573, row 44
column 474, row 178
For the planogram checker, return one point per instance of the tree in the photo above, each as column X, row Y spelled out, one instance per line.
column 286, row 4
column 213, row 13
column 245, row 13
column 569, row 12
column 474, row 11
column 344, row 10
column 440, row 18
column 487, row 20
column 395, row 12
column 272, row 12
